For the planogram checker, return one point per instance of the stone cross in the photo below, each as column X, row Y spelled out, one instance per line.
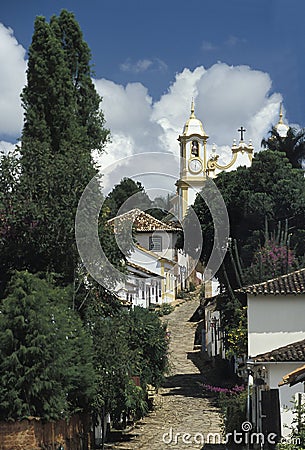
column 242, row 131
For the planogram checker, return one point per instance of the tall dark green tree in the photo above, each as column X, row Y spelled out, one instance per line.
column 63, row 124
column 126, row 195
column 77, row 57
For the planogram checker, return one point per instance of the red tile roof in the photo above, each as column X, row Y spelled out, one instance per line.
column 142, row 222
column 289, row 353
column 292, row 283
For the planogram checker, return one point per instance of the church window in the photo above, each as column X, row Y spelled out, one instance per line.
column 155, row 243
column 195, row 148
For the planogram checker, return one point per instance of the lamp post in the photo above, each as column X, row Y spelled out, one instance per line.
column 214, row 322
column 250, row 365
column 182, row 275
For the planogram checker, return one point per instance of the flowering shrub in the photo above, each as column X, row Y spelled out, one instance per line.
column 232, row 402
column 270, row 261
column 276, row 257
column 234, row 390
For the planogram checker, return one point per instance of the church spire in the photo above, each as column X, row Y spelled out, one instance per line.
column 281, row 127
column 281, row 113
column 193, row 125
column 192, row 116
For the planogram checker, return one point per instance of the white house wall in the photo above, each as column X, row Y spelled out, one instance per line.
column 169, row 283
column 168, row 242
column 153, row 264
column 274, row 321
column 276, row 371
column 145, row 260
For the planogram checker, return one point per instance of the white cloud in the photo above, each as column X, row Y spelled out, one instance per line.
column 12, row 80
column 232, row 41
column 208, row 46
column 6, row 147
column 229, row 97
column 128, row 112
column 143, row 65
column 226, row 97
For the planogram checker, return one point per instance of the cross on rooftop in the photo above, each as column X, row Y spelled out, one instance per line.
column 242, row 130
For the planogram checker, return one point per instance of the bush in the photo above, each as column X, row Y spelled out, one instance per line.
column 46, row 355
column 182, row 294
column 130, row 345
column 192, row 287
column 297, row 436
column 234, row 408
column 164, row 310
column 233, row 405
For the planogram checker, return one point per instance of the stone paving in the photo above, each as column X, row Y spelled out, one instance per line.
column 181, row 405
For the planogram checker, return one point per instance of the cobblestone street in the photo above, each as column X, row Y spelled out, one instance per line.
column 181, row 404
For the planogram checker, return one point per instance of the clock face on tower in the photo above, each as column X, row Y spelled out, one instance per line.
column 195, row 165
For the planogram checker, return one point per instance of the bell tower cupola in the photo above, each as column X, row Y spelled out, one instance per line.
column 193, row 160
column 281, row 127
column 193, row 147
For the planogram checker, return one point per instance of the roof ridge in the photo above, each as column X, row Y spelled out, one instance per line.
column 292, row 282
column 138, row 213
column 283, row 349
column 123, row 214
column 286, row 275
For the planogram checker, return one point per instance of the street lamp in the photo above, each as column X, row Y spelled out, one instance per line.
column 250, row 365
column 214, row 322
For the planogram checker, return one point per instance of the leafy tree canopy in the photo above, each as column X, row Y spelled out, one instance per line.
column 139, row 349
column 293, row 144
column 63, row 124
column 46, row 367
column 269, row 190
column 126, row 195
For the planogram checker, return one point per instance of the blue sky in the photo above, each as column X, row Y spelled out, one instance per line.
column 238, row 58
column 266, row 35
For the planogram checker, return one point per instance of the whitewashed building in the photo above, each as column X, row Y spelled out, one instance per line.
column 153, row 264
column 276, row 345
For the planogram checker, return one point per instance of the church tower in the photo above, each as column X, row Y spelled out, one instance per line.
column 196, row 165
column 193, row 161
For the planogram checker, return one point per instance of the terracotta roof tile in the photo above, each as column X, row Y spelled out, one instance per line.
column 143, row 221
column 292, row 283
column 289, row 353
